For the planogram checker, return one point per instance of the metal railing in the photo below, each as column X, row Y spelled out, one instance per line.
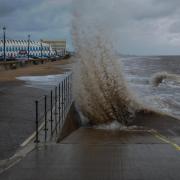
column 51, row 110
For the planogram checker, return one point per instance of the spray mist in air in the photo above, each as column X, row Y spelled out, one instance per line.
column 100, row 90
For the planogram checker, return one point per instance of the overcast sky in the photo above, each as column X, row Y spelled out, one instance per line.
column 137, row 26
column 46, row 19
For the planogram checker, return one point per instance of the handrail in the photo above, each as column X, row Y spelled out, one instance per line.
column 52, row 109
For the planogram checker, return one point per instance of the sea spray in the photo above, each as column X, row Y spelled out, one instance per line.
column 100, row 90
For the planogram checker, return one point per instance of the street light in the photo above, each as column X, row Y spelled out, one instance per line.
column 29, row 36
column 49, row 50
column 4, row 42
column 41, row 48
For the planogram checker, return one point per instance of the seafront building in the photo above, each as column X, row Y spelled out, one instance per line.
column 58, row 46
column 19, row 48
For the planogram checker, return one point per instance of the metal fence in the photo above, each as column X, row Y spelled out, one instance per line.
column 51, row 110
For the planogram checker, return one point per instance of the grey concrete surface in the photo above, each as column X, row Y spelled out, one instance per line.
column 89, row 154
column 16, row 115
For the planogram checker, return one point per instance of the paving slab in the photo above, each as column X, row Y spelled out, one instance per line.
column 97, row 154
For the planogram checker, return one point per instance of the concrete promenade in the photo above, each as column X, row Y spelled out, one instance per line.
column 89, row 154
column 17, row 107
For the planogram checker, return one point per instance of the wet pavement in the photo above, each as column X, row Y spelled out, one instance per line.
column 17, row 114
column 101, row 154
column 17, row 109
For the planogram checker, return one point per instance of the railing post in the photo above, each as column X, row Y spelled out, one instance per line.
column 62, row 100
column 37, row 123
column 59, row 95
column 56, row 109
column 45, row 116
column 69, row 91
column 70, row 88
column 66, row 95
column 51, row 112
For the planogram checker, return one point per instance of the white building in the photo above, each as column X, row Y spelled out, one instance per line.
column 19, row 48
column 58, row 46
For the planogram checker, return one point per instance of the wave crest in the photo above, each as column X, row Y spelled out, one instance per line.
column 159, row 77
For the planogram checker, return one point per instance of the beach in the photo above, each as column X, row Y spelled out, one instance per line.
column 55, row 67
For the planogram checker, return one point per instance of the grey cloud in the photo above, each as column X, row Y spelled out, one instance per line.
column 174, row 3
column 175, row 27
column 45, row 19
column 5, row 9
column 8, row 6
column 139, row 26
column 154, row 12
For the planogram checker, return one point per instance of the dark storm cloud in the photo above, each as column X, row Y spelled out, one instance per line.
column 143, row 26
column 41, row 18
column 137, row 26
column 8, row 6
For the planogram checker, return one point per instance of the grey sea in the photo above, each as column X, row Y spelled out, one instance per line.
column 140, row 72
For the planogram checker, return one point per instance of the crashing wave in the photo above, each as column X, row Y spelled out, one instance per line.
column 101, row 92
column 160, row 77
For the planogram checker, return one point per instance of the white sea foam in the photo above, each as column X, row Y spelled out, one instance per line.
column 115, row 125
column 42, row 82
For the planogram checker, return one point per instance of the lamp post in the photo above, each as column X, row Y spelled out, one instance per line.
column 29, row 36
column 41, row 48
column 4, row 42
column 49, row 50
